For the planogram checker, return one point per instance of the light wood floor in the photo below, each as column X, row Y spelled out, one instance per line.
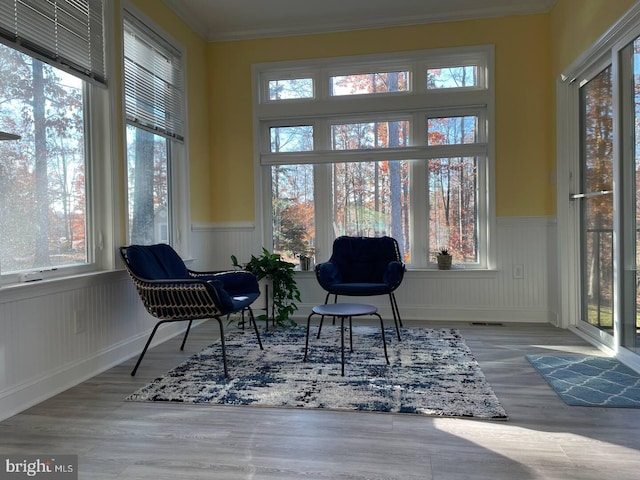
column 543, row 438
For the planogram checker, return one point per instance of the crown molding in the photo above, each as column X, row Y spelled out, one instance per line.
column 191, row 18
column 311, row 27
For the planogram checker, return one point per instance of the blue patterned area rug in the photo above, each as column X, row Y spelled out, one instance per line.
column 432, row 372
column 589, row 381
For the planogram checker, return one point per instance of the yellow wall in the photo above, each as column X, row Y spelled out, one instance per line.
column 530, row 53
column 576, row 24
column 523, row 102
column 200, row 164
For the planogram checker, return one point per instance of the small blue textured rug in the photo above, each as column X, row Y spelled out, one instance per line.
column 432, row 372
column 589, row 381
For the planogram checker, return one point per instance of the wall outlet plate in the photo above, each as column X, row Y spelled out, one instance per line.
column 518, row 271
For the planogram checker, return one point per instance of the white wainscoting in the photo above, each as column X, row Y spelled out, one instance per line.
column 56, row 334
column 462, row 295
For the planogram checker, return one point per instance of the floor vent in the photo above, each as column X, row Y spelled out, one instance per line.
column 487, row 324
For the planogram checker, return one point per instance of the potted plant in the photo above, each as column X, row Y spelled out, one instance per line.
column 306, row 256
column 282, row 276
column 444, row 259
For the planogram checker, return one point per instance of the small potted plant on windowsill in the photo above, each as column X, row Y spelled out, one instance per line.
column 444, row 259
column 306, row 257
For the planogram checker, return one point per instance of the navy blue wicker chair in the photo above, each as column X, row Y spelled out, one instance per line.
column 172, row 293
column 363, row 266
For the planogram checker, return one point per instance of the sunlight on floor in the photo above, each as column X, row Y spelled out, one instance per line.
column 584, row 350
column 534, row 446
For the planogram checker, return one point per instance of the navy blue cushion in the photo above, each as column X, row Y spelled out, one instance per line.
column 363, row 259
column 328, row 274
column 222, row 299
column 394, row 274
column 363, row 289
column 239, row 282
column 232, row 291
column 362, row 266
column 236, row 289
column 243, row 301
column 156, row 262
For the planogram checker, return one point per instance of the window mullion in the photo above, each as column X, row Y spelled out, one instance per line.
column 420, row 254
column 371, row 155
column 377, row 124
column 323, row 196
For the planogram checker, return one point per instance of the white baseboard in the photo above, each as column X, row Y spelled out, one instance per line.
column 22, row 396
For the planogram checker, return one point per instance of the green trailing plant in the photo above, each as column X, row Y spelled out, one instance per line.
column 284, row 288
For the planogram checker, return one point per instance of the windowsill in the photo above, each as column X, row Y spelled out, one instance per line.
column 434, row 272
column 26, row 290
column 454, row 272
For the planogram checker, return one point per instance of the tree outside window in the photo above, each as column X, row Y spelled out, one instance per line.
column 42, row 176
column 394, row 145
column 147, row 162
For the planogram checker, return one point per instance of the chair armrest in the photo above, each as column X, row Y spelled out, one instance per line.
column 238, row 282
column 394, row 274
column 180, row 299
column 235, row 289
column 327, row 274
column 221, row 297
column 201, row 275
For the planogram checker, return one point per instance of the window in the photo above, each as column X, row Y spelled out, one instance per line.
column 290, row 89
column 153, row 84
column 297, row 138
column 598, row 202
column 369, row 83
column 453, row 213
column 452, row 77
column 371, row 199
column 363, row 149
column 452, row 130
column 47, row 223
column 293, row 208
column 373, row 134
column 69, row 34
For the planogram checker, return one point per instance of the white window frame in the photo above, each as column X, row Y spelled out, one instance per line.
column 177, row 152
column 368, row 68
column 607, row 50
column 102, row 208
column 287, row 75
column 414, row 104
column 450, row 61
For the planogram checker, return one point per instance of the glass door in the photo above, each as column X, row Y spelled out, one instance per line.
column 599, row 229
column 630, row 204
column 596, row 207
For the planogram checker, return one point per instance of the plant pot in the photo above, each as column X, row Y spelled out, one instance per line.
column 265, row 300
column 305, row 263
column 444, row 262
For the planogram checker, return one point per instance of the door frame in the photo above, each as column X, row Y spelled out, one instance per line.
column 569, row 211
column 603, row 52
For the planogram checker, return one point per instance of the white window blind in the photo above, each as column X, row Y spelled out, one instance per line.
column 65, row 33
column 153, row 81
